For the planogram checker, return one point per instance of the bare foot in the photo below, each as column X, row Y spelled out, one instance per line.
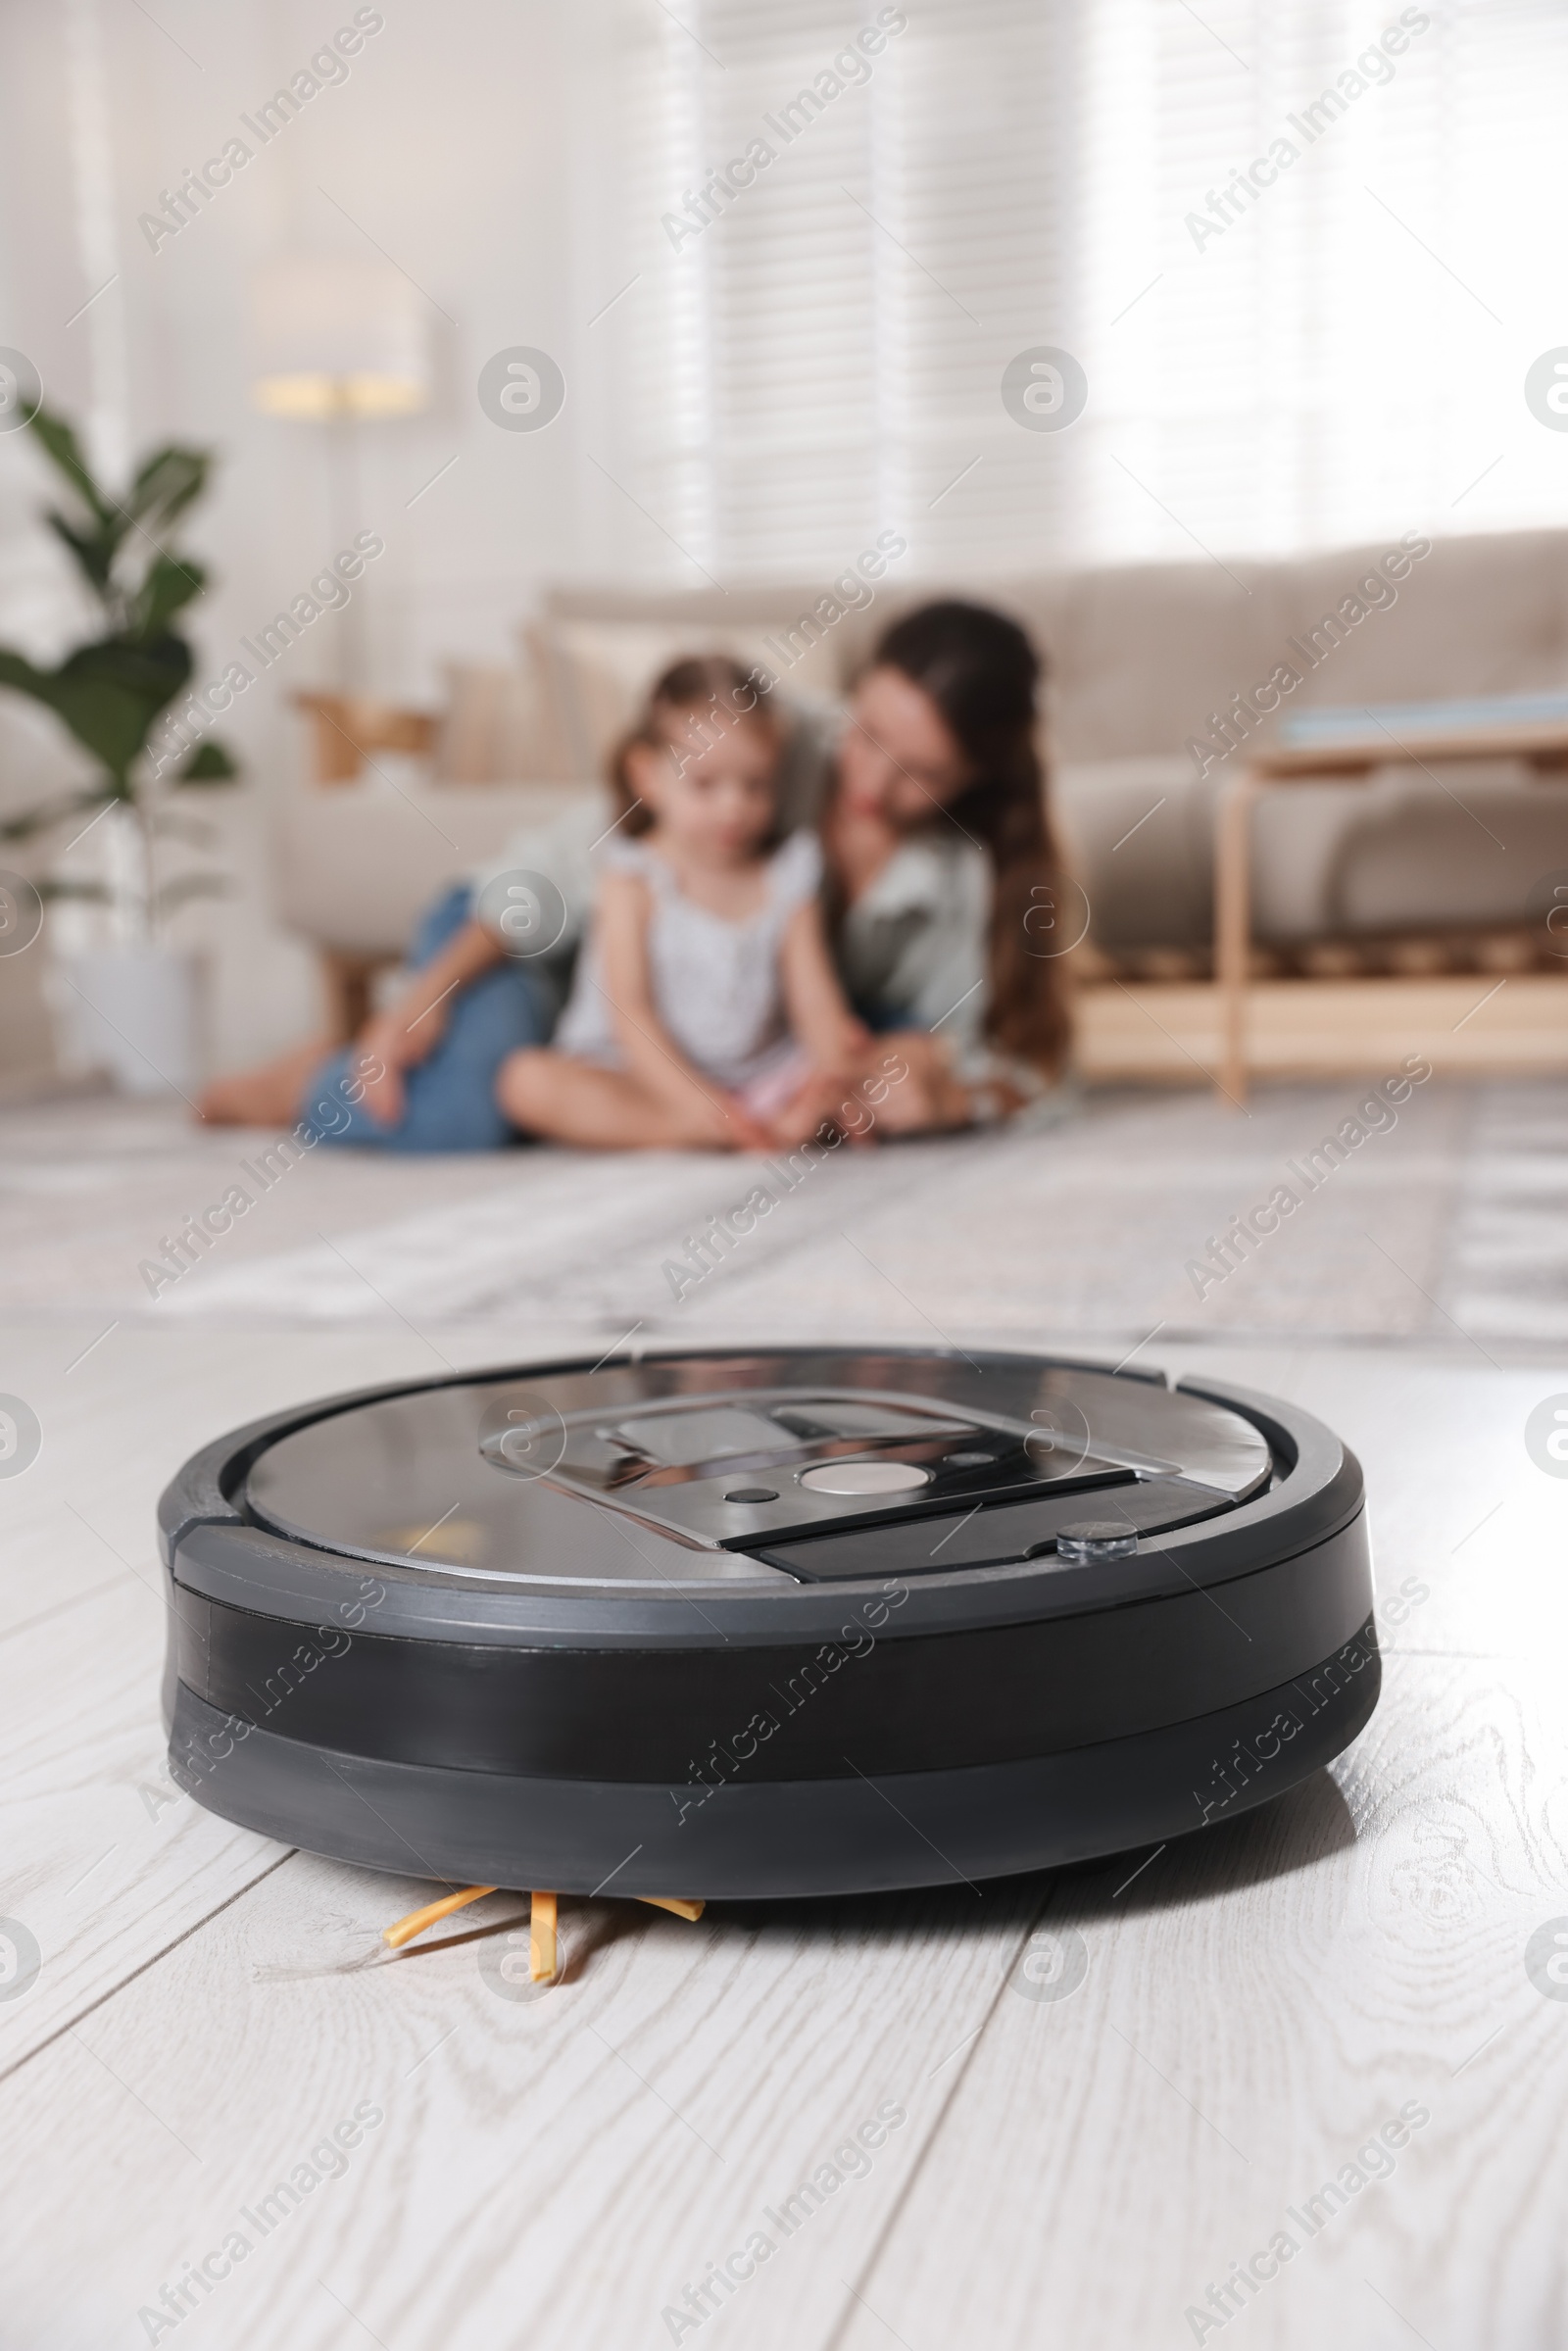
column 926, row 1097
column 822, row 1101
column 265, row 1097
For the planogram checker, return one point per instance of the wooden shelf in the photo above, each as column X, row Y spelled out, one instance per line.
column 1464, row 1024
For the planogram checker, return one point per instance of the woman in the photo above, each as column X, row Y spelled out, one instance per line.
column 939, row 857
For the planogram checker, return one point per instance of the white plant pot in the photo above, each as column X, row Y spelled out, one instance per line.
column 132, row 1012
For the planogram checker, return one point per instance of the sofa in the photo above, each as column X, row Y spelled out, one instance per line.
column 1418, row 870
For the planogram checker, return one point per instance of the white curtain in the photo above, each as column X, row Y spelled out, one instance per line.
column 1306, row 252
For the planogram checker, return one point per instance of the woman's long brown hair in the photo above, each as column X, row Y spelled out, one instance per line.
column 984, row 677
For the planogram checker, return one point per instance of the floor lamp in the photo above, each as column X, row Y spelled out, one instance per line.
column 339, row 344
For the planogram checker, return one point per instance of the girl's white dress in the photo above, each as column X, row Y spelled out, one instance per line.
column 716, row 985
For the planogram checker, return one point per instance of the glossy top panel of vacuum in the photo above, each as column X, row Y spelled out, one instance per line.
column 834, row 1464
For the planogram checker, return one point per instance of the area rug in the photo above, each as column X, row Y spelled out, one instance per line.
column 1139, row 1217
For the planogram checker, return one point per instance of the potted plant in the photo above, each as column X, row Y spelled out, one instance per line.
column 135, row 993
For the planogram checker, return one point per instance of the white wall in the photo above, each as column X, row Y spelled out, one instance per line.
column 453, row 145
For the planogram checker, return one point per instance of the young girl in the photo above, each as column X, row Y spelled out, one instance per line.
column 704, row 1008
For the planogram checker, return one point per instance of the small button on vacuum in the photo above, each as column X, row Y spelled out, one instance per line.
column 1097, row 1539
column 752, row 1494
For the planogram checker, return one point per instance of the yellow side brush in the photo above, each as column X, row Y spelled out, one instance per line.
column 417, row 1920
column 542, row 1959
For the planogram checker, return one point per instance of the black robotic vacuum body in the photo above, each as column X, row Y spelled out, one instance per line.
column 758, row 1624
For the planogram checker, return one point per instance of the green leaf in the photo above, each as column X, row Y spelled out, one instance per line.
column 17, row 672
column 168, row 586
column 208, row 764
column 166, row 484
column 57, row 811
column 64, row 452
column 107, row 693
column 93, row 550
column 110, row 691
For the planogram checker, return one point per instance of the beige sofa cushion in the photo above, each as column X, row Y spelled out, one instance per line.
column 1402, row 851
column 1419, row 855
column 1476, row 615
column 1136, row 834
column 500, row 725
column 1136, row 657
column 356, row 864
column 602, row 671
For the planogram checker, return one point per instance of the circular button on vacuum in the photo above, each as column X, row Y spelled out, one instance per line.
column 865, row 1476
column 751, row 1494
column 1097, row 1539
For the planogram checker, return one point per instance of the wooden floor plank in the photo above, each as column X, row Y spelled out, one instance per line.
column 1257, row 2004
column 103, row 1861
column 581, row 2157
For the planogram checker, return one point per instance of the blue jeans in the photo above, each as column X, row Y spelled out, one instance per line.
column 450, row 1097
column 883, row 1018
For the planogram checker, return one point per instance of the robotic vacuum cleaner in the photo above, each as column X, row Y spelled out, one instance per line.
column 765, row 1622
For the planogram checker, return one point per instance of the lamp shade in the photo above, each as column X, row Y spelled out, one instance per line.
column 338, row 338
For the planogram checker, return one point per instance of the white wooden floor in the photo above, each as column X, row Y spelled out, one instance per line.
column 557, row 2171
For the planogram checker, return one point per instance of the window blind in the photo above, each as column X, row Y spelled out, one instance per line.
column 1304, row 254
